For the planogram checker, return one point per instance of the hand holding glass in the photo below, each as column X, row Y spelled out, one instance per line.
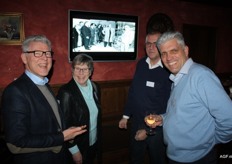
column 150, row 120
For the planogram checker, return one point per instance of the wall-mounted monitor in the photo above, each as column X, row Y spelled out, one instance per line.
column 103, row 36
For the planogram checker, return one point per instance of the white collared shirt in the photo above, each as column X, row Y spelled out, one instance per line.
column 159, row 63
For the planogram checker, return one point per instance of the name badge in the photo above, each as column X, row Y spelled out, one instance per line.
column 150, row 84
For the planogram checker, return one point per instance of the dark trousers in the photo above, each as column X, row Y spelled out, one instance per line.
column 153, row 145
column 210, row 158
column 90, row 154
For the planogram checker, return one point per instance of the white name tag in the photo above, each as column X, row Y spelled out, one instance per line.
column 150, row 84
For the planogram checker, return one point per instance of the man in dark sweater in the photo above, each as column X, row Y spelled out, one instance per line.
column 148, row 94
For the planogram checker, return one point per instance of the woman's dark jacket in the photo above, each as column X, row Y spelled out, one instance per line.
column 76, row 112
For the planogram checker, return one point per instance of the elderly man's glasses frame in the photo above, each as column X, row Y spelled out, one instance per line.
column 48, row 54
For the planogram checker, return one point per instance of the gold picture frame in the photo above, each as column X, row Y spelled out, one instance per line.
column 11, row 29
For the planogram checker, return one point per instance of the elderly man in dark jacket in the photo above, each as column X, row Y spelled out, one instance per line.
column 33, row 121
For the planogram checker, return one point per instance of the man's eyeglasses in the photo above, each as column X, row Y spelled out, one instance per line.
column 84, row 70
column 38, row 54
column 149, row 44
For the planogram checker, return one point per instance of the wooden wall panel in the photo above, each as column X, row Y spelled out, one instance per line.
column 115, row 141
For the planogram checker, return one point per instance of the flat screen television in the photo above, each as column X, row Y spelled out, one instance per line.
column 103, row 36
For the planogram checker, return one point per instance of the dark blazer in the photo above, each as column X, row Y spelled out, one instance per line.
column 30, row 125
column 76, row 113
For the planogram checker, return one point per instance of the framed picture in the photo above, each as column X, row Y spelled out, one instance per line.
column 11, row 28
column 103, row 36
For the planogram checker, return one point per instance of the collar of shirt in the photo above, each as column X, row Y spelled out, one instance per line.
column 159, row 63
column 86, row 90
column 36, row 79
column 184, row 70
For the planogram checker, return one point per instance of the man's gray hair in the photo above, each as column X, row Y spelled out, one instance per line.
column 35, row 38
column 169, row 36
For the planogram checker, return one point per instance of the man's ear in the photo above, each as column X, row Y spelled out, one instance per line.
column 24, row 58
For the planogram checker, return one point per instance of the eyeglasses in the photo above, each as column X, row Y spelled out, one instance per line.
column 38, row 54
column 84, row 70
column 149, row 44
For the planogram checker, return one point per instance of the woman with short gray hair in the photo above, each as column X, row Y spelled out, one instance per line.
column 80, row 102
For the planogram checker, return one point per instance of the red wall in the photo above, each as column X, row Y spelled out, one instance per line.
column 50, row 17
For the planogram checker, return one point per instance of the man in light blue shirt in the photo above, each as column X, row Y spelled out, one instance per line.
column 199, row 111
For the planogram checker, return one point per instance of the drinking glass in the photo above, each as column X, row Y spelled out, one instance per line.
column 150, row 119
